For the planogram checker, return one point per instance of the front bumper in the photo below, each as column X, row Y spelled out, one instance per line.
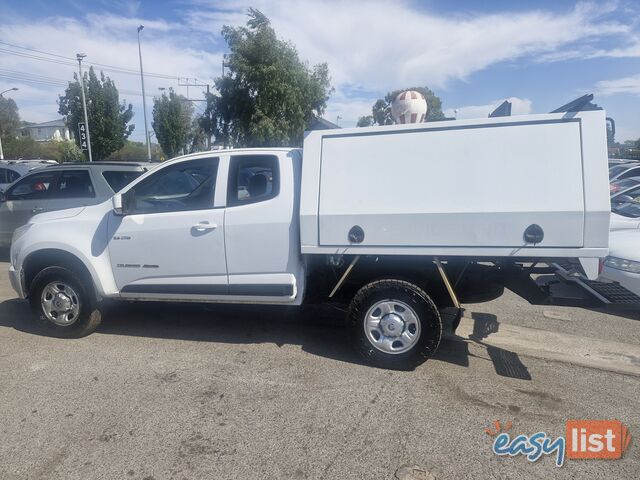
column 630, row 281
column 17, row 281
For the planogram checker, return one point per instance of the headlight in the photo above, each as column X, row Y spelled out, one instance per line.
column 622, row 264
column 19, row 232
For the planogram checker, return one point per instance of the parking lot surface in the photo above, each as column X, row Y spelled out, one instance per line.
column 165, row 391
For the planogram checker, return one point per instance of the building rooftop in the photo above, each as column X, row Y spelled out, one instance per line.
column 52, row 123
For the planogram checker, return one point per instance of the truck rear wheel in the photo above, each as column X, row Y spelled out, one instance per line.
column 63, row 303
column 394, row 324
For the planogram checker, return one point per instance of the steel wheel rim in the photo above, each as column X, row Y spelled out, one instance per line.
column 392, row 326
column 60, row 303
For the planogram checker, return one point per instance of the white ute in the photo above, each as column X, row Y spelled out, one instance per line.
column 378, row 218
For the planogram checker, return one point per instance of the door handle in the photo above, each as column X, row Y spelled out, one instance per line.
column 203, row 226
column 37, row 209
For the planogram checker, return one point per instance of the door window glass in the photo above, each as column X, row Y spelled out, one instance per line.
column 32, row 187
column 253, row 178
column 117, row 180
column 73, row 184
column 183, row 186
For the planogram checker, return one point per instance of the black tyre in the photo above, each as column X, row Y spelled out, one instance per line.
column 394, row 324
column 65, row 305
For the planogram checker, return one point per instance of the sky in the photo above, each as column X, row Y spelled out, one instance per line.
column 472, row 54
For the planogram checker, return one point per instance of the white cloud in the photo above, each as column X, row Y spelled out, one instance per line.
column 349, row 109
column 519, row 106
column 371, row 46
column 387, row 45
column 627, row 85
column 106, row 39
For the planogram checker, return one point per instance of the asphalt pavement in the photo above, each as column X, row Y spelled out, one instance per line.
column 165, row 391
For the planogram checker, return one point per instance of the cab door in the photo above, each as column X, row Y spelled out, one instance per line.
column 170, row 241
column 261, row 228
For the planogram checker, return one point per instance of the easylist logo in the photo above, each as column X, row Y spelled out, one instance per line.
column 585, row 439
column 605, row 439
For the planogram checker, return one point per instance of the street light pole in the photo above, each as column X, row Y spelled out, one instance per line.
column 2, row 93
column 80, row 56
column 144, row 99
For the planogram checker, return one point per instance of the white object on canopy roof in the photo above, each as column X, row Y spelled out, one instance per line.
column 409, row 107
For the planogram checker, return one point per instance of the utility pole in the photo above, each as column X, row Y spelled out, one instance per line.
column 144, row 99
column 13, row 90
column 224, row 62
column 80, row 56
column 209, row 135
column 195, row 84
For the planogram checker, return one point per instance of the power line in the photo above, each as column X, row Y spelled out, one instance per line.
column 62, row 60
column 43, row 80
column 34, row 50
column 34, row 57
column 31, row 80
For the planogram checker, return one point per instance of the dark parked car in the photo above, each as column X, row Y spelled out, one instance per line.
column 626, row 190
column 626, row 170
column 57, row 187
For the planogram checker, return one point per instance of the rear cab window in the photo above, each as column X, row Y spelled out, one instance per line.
column 253, row 178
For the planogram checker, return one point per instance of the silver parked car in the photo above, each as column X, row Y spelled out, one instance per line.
column 62, row 186
column 11, row 170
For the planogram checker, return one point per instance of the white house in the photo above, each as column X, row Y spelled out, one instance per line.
column 43, row 132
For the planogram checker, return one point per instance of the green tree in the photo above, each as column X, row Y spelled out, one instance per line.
column 366, row 121
column 135, row 152
column 381, row 110
column 108, row 118
column 197, row 139
column 9, row 117
column 27, row 148
column 172, row 121
column 269, row 95
column 611, row 141
column 69, row 152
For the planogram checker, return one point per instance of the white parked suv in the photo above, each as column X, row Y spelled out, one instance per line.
column 623, row 263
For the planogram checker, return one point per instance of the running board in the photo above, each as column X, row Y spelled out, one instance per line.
column 608, row 293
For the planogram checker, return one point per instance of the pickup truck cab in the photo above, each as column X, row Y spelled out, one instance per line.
column 363, row 220
column 210, row 227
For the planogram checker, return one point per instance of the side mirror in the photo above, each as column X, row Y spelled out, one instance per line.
column 116, row 200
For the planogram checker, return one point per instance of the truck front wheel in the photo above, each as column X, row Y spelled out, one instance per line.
column 64, row 304
column 394, row 324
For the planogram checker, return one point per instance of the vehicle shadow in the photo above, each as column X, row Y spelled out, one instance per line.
column 318, row 329
column 505, row 362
